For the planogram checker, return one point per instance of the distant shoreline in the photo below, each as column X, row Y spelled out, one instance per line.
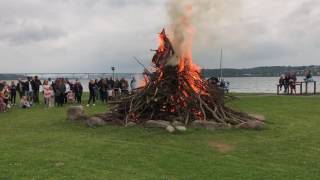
column 269, row 71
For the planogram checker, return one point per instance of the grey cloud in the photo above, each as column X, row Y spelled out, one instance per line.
column 110, row 3
column 93, row 35
column 30, row 35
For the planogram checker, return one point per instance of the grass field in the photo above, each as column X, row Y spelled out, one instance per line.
column 40, row 144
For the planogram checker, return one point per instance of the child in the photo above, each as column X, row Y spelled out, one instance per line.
column 24, row 103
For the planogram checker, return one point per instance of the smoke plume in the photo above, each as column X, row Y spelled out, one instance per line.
column 199, row 21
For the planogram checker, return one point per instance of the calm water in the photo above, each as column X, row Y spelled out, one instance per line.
column 241, row 84
column 258, row 84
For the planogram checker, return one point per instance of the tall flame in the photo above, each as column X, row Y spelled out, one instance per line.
column 183, row 33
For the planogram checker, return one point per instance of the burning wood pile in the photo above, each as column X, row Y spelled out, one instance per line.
column 176, row 91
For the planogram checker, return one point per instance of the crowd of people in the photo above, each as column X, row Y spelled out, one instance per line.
column 60, row 91
column 288, row 81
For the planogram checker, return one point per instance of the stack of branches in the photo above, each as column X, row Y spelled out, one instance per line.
column 172, row 97
column 175, row 93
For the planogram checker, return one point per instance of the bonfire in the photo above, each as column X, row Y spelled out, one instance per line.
column 176, row 91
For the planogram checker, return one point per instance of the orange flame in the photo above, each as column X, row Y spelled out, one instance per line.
column 161, row 43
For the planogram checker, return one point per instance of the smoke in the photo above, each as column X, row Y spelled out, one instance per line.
column 199, row 22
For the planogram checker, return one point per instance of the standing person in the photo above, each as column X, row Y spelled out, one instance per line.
column 54, row 85
column 46, row 92
column 71, row 84
column 78, row 89
column 92, row 96
column 50, row 82
column 116, row 87
column 281, row 81
column 103, row 90
column 293, row 81
column 110, row 84
column 51, row 99
column 96, row 89
column 3, row 106
column 71, row 96
column 124, row 86
column 13, row 93
column 286, row 83
column 28, row 89
column 36, row 89
column 68, row 89
column 21, row 88
column 6, row 95
column 100, row 86
column 1, row 85
column 60, row 92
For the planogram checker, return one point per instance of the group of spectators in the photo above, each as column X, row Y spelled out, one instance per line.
column 59, row 92
column 220, row 84
column 288, row 81
column 107, row 89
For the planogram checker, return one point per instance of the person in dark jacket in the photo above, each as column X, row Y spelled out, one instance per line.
column 97, row 89
column 104, row 90
column 92, row 96
column 100, row 89
column 77, row 90
column 1, row 85
column 281, row 81
column 36, row 89
column 13, row 93
column 110, row 83
column 60, row 90
column 21, row 88
column 286, row 83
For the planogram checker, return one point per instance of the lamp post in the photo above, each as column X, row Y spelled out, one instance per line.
column 113, row 69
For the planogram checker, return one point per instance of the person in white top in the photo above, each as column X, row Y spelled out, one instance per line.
column 46, row 92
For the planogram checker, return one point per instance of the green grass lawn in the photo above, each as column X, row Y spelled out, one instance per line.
column 40, row 144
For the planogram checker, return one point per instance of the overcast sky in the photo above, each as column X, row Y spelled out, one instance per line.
column 93, row 35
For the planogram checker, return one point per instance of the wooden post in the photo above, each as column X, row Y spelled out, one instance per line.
column 315, row 87
column 300, row 88
column 306, row 87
